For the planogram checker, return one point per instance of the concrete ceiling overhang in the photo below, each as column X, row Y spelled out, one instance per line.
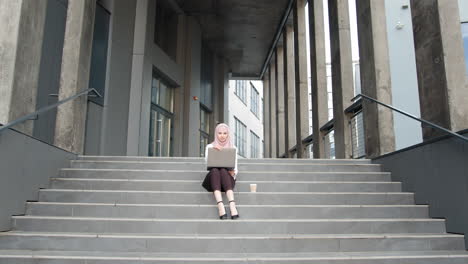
column 242, row 31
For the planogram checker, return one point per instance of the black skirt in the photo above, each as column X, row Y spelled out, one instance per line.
column 207, row 183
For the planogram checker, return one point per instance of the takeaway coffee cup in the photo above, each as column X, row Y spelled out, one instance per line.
column 253, row 187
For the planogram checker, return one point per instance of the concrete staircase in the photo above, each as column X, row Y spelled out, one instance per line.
column 113, row 210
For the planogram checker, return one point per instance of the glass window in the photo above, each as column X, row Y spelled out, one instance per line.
column 206, row 82
column 357, row 78
column 203, row 143
column 254, row 100
column 241, row 90
column 160, row 135
column 329, row 91
column 155, row 91
column 97, row 75
column 240, row 137
column 204, row 121
column 165, row 29
column 162, row 106
column 331, row 140
column 167, row 97
column 465, row 43
column 262, row 109
column 263, row 149
column 254, row 145
column 204, row 129
column 162, row 95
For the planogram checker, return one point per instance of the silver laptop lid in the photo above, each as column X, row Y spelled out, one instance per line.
column 224, row 158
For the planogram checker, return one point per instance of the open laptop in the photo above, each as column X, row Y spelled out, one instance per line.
column 224, row 158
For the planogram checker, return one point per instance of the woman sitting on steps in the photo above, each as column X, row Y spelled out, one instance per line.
column 222, row 179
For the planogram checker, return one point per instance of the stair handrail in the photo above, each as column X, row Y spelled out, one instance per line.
column 410, row 116
column 48, row 108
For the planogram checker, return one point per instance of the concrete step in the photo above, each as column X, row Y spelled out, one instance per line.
column 247, row 175
column 116, row 210
column 142, row 158
column 240, row 160
column 283, row 167
column 229, row 243
column 188, row 211
column 242, row 186
column 217, row 226
column 97, row 257
column 242, row 198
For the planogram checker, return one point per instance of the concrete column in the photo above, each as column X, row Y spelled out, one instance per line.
column 342, row 74
column 220, row 73
column 76, row 59
column 280, row 132
column 287, row 146
column 273, row 111
column 226, row 93
column 116, row 114
column 192, row 84
column 137, row 78
column 440, row 64
column 22, row 30
column 215, row 96
column 289, row 88
column 375, row 76
column 301, row 88
column 266, row 115
column 318, row 75
column 179, row 91
column 220, row 91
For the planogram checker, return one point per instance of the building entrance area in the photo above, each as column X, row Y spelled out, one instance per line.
column 161, row 120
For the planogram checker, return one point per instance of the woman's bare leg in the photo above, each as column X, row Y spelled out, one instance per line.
column 219, row 198
column 232, row 205
column 216, row 185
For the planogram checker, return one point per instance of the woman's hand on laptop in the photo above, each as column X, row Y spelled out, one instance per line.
column 217, row 148
column 231, row 172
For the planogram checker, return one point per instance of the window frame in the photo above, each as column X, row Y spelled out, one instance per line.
column 240, row 136
column 254, row 145
column 254, row 101
column 204, row 134
column 154, row 106
column 97, row 71
column 240, row 90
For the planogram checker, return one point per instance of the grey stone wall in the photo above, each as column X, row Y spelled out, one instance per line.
column 437, row 172
column 26, row 165
column 21, row 32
